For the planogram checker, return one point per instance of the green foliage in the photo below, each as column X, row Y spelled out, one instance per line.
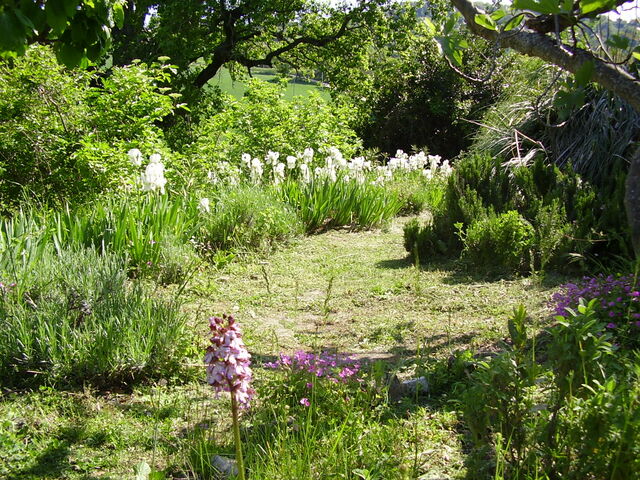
column 323, row 204
column 575, row 415
column 78, row 321
column 416, row 192
column 80, row 31
column 63, row 139
column 263, row 120
column 499, row 242
column 406, row 94
column 42, row 116
column 245, row 219
column 151, row 232
column 568, row 216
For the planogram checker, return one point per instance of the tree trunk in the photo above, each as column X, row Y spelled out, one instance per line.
column 632, row 200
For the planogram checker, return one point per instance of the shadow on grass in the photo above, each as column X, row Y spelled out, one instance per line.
column 458, row 272
column 55, row 460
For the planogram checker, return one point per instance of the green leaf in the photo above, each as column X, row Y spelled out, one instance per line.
column 543, row 6
column 142, row 471
column 431, row 28
column 118, row 15
column 69, row 54
column 636, row 55
column 26, row 21
column 584, row 73
column 12, row 34
column 35, row 14
column 617, row 41
column 70, row 7
column 485, row 21
column 588, row 6
column 451, row 22
column 498, row 15
column 56, row 16
column 513, row 22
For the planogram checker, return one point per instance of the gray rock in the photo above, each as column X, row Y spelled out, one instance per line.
column 225, row 466
column 415, row 385
column 407, row 388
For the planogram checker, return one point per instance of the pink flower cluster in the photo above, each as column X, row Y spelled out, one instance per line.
column 335, row 367
column 228, row 361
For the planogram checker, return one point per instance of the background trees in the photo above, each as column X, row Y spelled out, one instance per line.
column 203, row 36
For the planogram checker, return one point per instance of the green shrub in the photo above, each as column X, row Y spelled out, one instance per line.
column 574, row 414
column 246, row 218
column 264, row 120
column 42, row 117
column 426, row 240
column 65, row 134
column 569, row 216
column 79, row 320
column 499, row 242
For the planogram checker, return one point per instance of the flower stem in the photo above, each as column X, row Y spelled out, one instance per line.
column 236, row 436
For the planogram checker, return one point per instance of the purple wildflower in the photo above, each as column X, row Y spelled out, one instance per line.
column 228, row 361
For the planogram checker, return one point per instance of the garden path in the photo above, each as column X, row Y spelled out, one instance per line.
column 359, row 292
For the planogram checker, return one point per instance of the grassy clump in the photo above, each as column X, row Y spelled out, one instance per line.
column 324, row 204
column 77, row 319
column 246, row 218
column 151, row 231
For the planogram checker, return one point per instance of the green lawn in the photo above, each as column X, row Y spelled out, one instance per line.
column 238, row 87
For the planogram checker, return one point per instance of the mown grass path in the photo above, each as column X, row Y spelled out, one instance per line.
column 359, row 292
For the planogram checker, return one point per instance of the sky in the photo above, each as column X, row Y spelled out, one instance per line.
column 629, row 11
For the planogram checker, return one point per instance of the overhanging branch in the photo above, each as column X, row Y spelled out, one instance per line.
column 611, row 77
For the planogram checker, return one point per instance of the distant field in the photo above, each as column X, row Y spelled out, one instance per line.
column 237, row 87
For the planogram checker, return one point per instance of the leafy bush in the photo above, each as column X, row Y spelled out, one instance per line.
column 264, row 120
column 42, row 117
column 80, row 321
column 64, row 134
column 575, row 415
column 245, row 218
column 569, row 216
column 405, row 94
column 617, row 305
column 499, row 242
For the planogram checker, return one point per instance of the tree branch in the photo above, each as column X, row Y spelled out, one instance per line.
column 611, row 77
column 225, row 51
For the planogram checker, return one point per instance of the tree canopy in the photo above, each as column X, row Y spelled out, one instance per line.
column 205, row 35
